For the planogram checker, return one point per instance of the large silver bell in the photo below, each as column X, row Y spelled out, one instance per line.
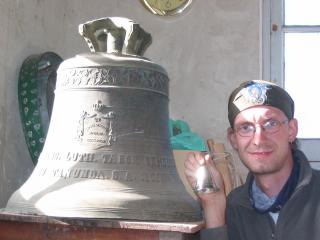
column 107, row 153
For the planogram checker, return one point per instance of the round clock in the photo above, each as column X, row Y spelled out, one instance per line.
column 166, row 7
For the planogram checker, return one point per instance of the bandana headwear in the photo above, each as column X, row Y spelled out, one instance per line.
column 259, row 92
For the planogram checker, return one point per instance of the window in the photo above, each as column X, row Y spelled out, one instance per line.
column 291, row 52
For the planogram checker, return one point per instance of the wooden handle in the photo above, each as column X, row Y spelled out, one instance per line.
column 222, row 164
column 210, row 144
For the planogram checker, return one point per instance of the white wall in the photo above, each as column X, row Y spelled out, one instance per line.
column 207, row 51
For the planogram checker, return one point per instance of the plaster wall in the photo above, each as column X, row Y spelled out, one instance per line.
column 206, row 51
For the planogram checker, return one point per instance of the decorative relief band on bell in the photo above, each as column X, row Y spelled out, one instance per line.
column 113, row 77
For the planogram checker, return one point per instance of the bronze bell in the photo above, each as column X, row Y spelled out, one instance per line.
column 107, row 153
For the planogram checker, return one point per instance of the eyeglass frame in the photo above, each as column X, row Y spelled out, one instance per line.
column 263, row 126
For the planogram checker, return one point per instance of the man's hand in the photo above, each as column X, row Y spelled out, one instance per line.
column 213, row 204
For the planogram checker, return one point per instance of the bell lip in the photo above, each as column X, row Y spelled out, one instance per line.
column 101, row 59
column 189, row 212
column 181, row 226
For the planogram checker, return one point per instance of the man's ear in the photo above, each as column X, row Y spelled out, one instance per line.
column 232, row 138
column 293, row 129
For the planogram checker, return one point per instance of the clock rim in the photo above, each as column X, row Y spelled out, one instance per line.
column 160, row 12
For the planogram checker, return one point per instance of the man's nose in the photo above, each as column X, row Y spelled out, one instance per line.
column 258, row 135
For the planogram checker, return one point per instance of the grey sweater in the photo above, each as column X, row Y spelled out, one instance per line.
column 299, row 219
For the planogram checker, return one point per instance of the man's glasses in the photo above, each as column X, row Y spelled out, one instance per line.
column 270, row 126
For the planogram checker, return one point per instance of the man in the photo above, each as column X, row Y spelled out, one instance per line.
column 281, row 196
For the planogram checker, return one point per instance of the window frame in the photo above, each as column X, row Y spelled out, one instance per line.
column 273, row 64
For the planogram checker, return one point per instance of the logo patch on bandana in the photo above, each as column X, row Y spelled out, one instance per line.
column 255, row 93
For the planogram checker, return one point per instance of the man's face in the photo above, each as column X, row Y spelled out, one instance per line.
column 261, row 136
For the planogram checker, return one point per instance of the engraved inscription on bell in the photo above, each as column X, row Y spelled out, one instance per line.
column 139, row 168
